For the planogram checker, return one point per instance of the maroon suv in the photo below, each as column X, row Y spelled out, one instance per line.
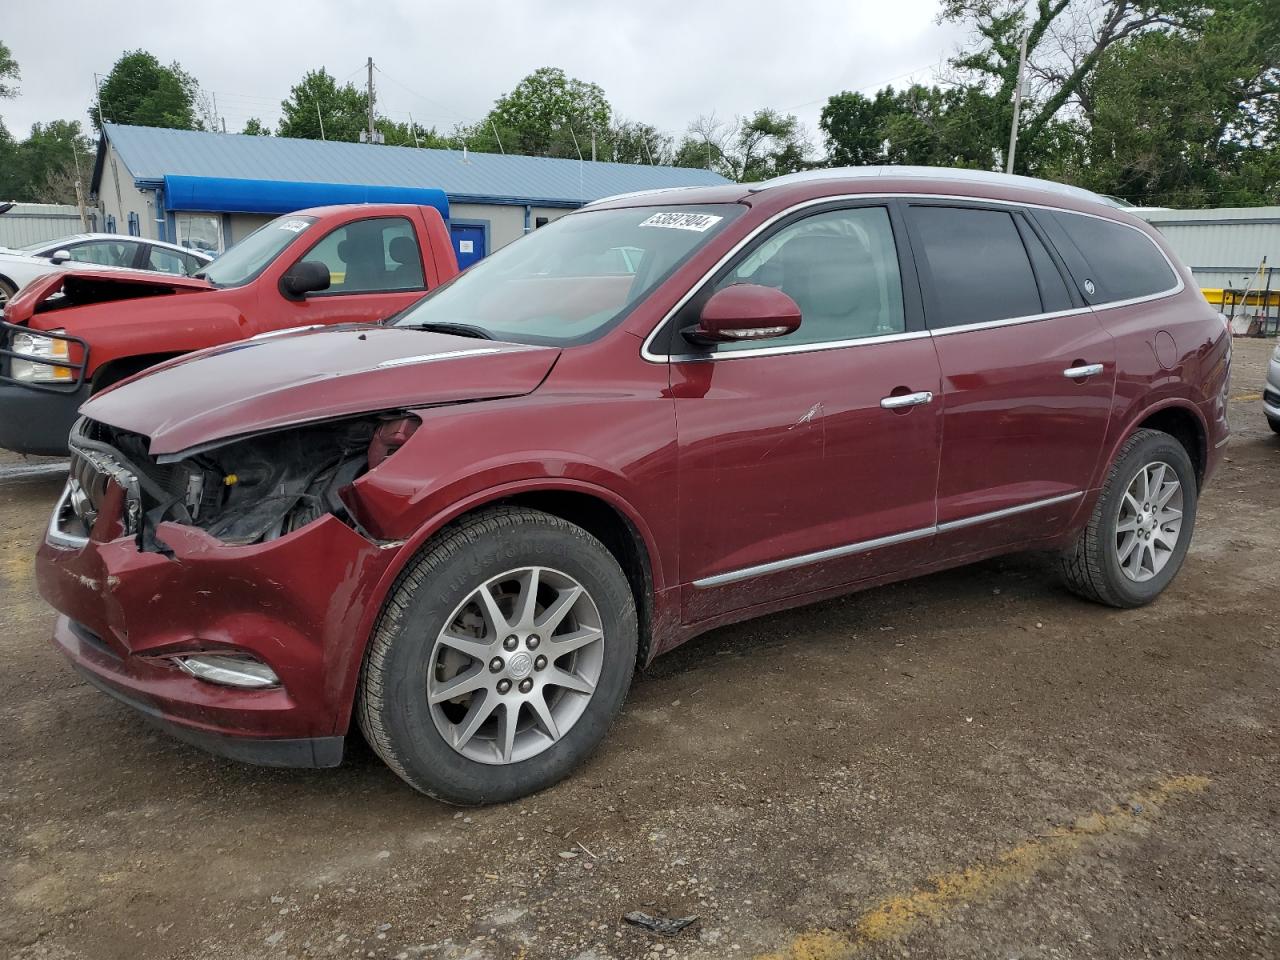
column 665, row 412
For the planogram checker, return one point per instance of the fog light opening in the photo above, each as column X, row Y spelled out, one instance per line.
column 229, row 670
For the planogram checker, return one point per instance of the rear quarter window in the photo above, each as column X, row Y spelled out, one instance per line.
column 1122, row 262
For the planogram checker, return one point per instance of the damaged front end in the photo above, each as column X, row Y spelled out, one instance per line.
column 243, row 491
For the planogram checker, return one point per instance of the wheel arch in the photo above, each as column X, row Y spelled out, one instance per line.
column 599, row 511
column 1184, row 423
column 121, row 368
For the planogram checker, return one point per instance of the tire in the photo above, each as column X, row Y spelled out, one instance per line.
column 7, row 292
column 1092, row 566
column 1274, row 424
column 410, row 662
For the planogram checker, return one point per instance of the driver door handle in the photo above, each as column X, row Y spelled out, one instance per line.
column 907, row 400
column 1088, row 370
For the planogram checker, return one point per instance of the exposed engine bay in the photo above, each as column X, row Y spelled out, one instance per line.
column 244, row 491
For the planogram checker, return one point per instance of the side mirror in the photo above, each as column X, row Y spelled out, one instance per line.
column 306, row 276
column 61, row 256
column 745, row 311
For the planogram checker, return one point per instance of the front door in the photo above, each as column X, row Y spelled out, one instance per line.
column 808, row 461
column 375, row 270
column 1027, row 377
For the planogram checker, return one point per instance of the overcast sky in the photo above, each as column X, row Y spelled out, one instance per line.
column 660, row 61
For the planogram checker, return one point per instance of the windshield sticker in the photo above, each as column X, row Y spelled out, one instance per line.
column 698, row 222
column 295, row 226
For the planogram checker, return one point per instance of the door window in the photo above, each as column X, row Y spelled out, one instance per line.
column 841, row 269
column 978, row 265
column 169, row 261
column 371, row 256
column 108, row 253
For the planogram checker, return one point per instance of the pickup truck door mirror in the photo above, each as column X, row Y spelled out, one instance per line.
column 745, row 311
column 305, row 276
column 61, row 256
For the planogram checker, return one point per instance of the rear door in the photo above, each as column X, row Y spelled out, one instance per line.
column 808, row 461
column 1028, row 375
column 375, row 270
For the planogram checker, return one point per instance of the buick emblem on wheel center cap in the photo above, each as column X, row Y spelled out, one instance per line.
column 520, row 665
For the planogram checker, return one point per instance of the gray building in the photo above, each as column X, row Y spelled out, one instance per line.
column 209, row 190
column 1223, row 247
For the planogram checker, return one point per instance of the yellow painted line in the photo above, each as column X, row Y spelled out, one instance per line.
column 1245, row 397
column 897, row 915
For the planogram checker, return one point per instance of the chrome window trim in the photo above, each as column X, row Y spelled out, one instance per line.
column 862, row 546
column 648, row 355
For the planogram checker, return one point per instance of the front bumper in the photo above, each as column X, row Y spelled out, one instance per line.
column 38, row 421
column 296, row 603
column 1271, row 391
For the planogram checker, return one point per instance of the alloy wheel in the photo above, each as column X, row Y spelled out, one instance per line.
column 515, row 665
column 1149, row 522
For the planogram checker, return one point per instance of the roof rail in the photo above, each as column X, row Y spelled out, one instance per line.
column 639, row 193
column 928, row 173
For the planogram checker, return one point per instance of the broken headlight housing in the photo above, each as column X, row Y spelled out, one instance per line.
column 249, row 490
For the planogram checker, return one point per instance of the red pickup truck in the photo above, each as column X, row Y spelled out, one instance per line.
column 67, row 336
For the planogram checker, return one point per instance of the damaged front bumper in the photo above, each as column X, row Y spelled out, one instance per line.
column 137, row 594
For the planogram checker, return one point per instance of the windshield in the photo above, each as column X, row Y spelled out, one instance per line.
column 568, row 281
column 250, row 256
column 42, row 245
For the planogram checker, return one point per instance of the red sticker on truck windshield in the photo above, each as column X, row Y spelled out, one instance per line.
column 698, row 222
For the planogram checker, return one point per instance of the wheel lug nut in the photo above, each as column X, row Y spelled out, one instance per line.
column 540, row 663
column 496, row 665
column 510, row 642
column 526, row 685
column 504, row 685
column 533, row 641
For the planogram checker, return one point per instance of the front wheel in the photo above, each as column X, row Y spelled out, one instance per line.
column 501, row 658
column 1141, row 526
column 1274, row 424
column 7, row 292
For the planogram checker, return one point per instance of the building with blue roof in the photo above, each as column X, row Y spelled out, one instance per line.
column 208, row 190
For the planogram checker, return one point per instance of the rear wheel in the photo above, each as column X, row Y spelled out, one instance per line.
column 1141, row 526
column 502, row 657
column 7, row 292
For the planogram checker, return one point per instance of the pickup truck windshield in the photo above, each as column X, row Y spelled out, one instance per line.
column 570, row 280
column 250, row 256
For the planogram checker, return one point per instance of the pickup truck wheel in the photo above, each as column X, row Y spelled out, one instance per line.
column 1274, row 424
column 1141, row 526
column 501, row 658
column 7, row 291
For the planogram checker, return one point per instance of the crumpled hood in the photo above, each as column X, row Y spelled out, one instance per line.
column 298, row 377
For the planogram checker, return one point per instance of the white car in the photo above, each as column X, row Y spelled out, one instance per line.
column 18, row 266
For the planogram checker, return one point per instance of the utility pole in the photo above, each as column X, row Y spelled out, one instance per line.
column 593, row 146
column 1017, row 102
column 97, row 96
column 321, row 119
column 371, row 127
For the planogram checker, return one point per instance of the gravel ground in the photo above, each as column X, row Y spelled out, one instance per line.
column 974, row 764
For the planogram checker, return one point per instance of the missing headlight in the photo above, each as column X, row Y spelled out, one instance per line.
column 265, row 486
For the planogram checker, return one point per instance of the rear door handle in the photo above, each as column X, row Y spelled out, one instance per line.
column 1088, row 370
column 907, row 400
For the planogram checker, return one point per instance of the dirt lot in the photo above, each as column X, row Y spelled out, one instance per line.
column 970, row 765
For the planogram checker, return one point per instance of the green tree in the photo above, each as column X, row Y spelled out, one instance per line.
column 9, row 74
column 256, row 128
column 1186, row 117
column 318, row 109
column 766, row 144
column 547, row 114
column 140, row 90
column 400, row 134
column 630, row 141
